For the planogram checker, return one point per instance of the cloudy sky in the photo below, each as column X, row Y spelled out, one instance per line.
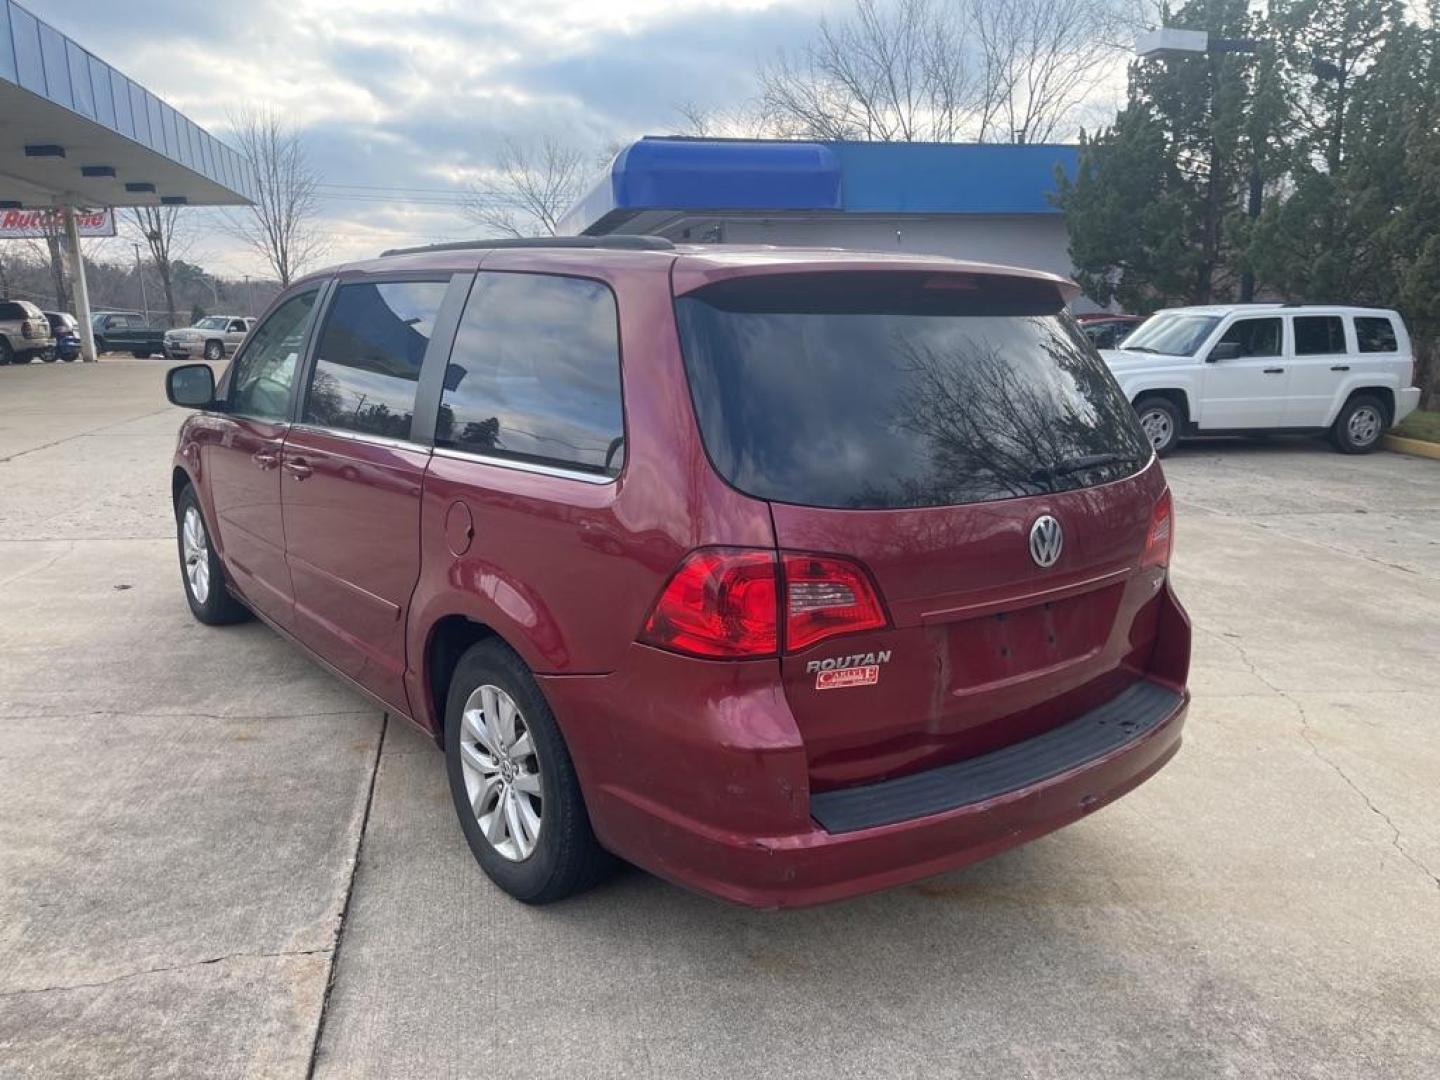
column 403, row 102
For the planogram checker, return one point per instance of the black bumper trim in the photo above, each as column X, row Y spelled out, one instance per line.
column 1132, row 713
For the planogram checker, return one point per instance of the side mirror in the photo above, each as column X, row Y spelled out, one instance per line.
column 191, row 386
column 1226, row 350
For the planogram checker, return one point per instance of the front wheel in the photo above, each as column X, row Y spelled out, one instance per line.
column 140, row 354
column 1358, row 428
column 7, row 354
column 1160, row 420
column 210, row 601
column 214, row 351
column 513, row 783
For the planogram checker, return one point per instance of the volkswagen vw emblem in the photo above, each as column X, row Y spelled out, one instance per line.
column 1047, row 540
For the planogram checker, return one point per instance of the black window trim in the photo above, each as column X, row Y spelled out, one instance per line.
column 226, row 390
column 432, row 379
column 442, row 336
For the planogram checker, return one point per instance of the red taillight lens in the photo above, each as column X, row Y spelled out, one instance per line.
column 825, row 596
column 1161, row 539
column 723, row 603
column 720, row 604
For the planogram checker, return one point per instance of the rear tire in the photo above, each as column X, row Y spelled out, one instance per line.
column 508, row 763
column 1362, row 421
column 1160, row 420
column 7, row 354
column 214, row 351
column 140, row 354
column 200, row 571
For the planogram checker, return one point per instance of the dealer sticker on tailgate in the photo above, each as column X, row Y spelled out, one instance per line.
column 837, row 672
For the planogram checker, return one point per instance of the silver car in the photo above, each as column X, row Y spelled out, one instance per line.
column 213, row 337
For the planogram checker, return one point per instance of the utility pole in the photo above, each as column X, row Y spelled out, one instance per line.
column 140, row 273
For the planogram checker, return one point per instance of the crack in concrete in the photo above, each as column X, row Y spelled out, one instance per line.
column 1307, row 732
column 69, row 547
column 349, row 896
column 60, row 988
column 83, row 434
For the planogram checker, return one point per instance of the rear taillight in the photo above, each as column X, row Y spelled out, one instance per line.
column 720, row 604
column 1161, row 539
column 724, row 603
column 825, row 596
column 31, row 329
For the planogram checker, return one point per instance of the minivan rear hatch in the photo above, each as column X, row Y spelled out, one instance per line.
column 953, row 435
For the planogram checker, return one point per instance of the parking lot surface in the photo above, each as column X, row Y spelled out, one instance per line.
column 217, row 860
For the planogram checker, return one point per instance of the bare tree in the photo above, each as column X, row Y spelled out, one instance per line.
column 749, row 120
column 532, row 187
column 945, row 70
column 282, row 226
column 157, row 226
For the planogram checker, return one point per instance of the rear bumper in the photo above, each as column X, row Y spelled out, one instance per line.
column 697, row 799
column 1407, row 400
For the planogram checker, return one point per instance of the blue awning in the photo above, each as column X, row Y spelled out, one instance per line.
column 757, row 176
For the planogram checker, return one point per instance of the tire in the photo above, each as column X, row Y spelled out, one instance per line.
column 200, row 571
column 1362, row 420
column 214, row 351
column 7, row 354
column 140, row 354
column 49, row 358
column 100, row 347
column 563, row 857
column 1161, row 422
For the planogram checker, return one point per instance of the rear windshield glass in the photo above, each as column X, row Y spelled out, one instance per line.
column 901, row 390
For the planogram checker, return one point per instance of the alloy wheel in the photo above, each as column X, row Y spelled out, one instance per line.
column 196, row 547
column 1364, row 425
column 1157, row 427
column 502, row 772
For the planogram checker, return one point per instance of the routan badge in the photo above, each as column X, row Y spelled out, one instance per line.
column 838, row 672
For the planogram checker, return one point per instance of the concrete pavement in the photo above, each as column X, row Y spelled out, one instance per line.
column 183, row 814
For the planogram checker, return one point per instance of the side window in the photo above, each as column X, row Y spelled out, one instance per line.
column 1256, row 337
column 1375, row 333
column 236, row 326
column 535, row 374
column 11, row 311
column 263, row 374
column 367, row 366
column 1319, row 335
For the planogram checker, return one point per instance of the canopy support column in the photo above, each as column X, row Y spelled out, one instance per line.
column 82, row 291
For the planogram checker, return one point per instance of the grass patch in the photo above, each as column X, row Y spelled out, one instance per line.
column 1421, row 424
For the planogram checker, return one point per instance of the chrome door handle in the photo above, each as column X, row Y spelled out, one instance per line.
column 298, row 468
column 266, row 459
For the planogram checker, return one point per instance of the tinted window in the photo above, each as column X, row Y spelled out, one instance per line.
column 368, row 362
column 11, row 311
column 535, row 374
column 261, row 377
column 1319, row 335
column 1256, row 337
column 1375, row 333
column 898, row 390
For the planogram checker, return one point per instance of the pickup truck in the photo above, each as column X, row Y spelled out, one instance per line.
column 126, row 331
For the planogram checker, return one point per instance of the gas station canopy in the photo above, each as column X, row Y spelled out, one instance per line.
column 75, row 132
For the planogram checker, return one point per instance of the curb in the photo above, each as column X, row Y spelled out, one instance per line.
column 1413, row 447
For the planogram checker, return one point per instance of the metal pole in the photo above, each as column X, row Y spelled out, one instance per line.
column 140, row 273
column 82, row 290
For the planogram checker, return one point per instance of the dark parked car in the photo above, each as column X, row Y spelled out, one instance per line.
column 785, row 575
column 1108, row 331
column 66, row 329
column 126, row 331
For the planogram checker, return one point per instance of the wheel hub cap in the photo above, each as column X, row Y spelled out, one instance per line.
column 502, row 772
column 1364, row 425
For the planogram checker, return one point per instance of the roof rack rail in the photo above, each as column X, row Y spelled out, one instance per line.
column 616, row 242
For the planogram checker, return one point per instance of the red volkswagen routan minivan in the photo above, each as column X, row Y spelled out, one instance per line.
column 786, row 575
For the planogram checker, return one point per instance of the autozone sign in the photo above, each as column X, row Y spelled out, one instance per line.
column 35, row 224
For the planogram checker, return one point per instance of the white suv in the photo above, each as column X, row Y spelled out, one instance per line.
column 1236, row 368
